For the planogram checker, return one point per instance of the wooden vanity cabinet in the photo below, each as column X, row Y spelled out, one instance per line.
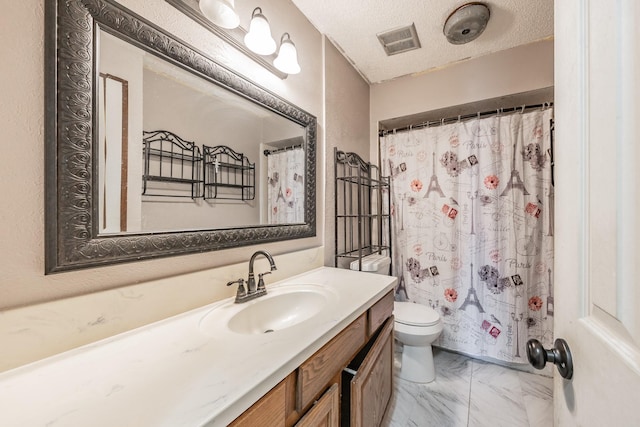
column 311, row 395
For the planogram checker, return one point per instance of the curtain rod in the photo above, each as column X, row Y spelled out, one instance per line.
column 430, row 123
column 277, row 150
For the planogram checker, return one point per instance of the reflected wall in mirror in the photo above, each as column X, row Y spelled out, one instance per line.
column 153, row 149
column 178, row 152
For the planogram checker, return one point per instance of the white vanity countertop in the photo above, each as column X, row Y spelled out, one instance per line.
column 170, row 373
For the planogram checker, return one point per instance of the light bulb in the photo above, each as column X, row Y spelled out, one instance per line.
column 259, row 39
column 287, row 60
column 220, row 12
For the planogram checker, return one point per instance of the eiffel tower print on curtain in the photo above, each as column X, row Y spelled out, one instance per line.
column 433, row 183
column 514, row 180
column 472, row 297
column 401, row 287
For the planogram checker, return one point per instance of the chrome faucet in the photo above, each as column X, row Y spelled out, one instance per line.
column 252, row 290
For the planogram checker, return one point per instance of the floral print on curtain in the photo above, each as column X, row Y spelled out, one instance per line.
column 285, row 189
column 472, row 206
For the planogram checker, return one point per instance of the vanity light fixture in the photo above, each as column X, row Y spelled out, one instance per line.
column 251, row 43
column 287, row 60
column 259, row 39
column 220, row 12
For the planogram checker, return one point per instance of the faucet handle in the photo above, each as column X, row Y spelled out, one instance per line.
column 241, row 291
column 261, row 287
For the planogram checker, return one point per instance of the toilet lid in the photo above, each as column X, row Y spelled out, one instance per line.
column 414, row 314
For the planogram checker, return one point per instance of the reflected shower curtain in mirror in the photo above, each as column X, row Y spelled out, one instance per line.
column 472, row 206
column 285, row 174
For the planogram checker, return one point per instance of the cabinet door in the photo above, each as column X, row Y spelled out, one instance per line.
column 371, row 387
column 325, row 412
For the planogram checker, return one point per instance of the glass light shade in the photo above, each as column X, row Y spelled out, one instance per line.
column 220, row 12
column 259, row 39
column 287, row 60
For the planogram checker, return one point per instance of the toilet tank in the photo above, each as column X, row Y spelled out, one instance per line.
column 374, row 263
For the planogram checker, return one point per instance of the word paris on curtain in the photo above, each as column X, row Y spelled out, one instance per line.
column 472, row 204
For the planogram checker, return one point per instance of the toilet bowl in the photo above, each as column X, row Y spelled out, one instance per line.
column 416, row 327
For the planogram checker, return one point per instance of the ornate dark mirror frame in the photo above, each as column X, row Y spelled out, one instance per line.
column 71, row 211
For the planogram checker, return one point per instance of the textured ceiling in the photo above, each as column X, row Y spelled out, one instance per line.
column 353, row 24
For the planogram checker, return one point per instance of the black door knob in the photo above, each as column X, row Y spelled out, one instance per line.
column 559, row 355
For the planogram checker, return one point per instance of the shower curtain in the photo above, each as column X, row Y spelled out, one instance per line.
column 472, row 205
column 285, row 189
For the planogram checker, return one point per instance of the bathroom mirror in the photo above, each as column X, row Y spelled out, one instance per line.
column 103, row 208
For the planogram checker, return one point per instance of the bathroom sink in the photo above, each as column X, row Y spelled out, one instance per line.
column 280, row 309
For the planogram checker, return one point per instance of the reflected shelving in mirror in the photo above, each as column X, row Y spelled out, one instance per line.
column 172, row 160
column 228, row 174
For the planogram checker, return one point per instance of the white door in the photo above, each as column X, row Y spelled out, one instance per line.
column 597, row 197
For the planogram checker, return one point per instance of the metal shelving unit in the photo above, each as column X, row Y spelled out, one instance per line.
column 170, row 159
column 228, row 174
column 362, row 210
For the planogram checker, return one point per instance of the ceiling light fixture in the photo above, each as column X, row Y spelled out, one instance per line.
column 287, row 60
column 220, row 12
column 466, row 23
column 259, row 39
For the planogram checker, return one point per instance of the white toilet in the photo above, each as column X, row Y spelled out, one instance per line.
column 416, row 327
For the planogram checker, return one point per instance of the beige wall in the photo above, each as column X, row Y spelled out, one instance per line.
column 520, row 69
column 113, row 299
column 347, row 126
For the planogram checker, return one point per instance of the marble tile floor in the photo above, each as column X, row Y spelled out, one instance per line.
column 472, row 393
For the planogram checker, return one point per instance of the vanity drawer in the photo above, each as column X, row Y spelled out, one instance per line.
column 319, row 369
column 269, row 411
column 380, row 312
